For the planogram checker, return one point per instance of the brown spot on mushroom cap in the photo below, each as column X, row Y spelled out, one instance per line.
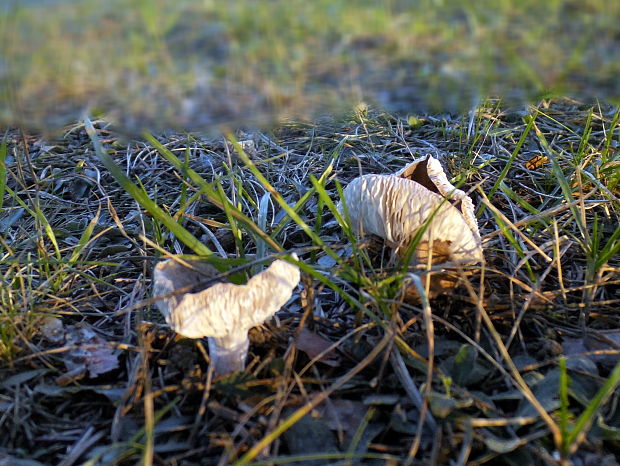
column 439, row 252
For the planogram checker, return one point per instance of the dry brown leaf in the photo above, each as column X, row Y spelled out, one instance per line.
column 605, row 341
column 536, row 162
column 89, row 354
column 440, row 284
column 313, row 345
column 345, row 415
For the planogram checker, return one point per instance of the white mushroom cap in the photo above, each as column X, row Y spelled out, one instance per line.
column 428, row 172
column 225, row 311
column 172, row 276
column 226, row 307
column 395, row 208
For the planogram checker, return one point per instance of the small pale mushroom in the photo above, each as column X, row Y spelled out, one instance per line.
column 395, row 207
column 224, row 312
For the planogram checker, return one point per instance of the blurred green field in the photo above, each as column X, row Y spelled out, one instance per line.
column 190, row 64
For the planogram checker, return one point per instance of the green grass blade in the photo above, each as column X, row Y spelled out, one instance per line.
column 228, row 208
column 38, row 214
column 530, row 119
column 585, row 419
column 585, row 138
column 263, row 212
column 326, row 200
column 518, row 199
column 210, row 192
column 84, row 238
column 412, row 246
column 3, row 153
column 182, row 201
column 302, row 201
column 610, row 135
column 507, row 233
column 265, row 183
column 49, row 231
column 288, row 209
column 142, row 199
column 611, row 248
column 563, row 424
column 275, row 194
column 563, row 182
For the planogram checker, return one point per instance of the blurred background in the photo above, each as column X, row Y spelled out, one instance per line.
column 208, row 64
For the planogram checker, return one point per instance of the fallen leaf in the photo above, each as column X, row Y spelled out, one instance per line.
column 440, row 283
column 22, row 378
column 313, row 345
column 92, row 351
column 88, row 354
column 608, row 343
column 442, row 405
column 536, row 162
column 379, row 400
column 113, row 393
column 500, row 445
column 546, row 390
column 402, row 422
column 343, row 414
column 464, row 362
column 308, row 436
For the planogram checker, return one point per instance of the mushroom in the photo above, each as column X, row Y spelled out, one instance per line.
column 395, row 207
column 224, row 312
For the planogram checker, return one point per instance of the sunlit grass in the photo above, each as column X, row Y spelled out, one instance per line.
column 199, row 64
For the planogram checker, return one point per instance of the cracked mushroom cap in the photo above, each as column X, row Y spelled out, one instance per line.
column 395, row 208
column 223, row 308
column 428, row 172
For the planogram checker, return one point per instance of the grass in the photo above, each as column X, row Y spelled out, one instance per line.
column 186, row 64
column 517, row 366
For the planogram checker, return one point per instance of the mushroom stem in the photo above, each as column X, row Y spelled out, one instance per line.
column 228, row 353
